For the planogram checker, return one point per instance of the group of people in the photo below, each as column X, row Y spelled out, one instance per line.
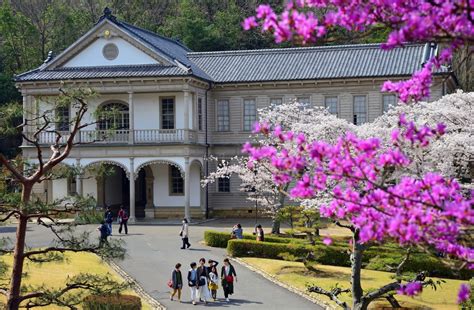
column 203, row 281
column 238, row 232
column 105, row 228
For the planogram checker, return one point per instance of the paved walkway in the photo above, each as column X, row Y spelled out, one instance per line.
column 154, row 250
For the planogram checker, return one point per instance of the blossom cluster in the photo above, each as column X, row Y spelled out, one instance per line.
column 408, row 21
column 428, row 210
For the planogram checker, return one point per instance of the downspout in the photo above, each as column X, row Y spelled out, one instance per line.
column 207, row 150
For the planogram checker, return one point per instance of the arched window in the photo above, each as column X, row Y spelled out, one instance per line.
column 113, row 116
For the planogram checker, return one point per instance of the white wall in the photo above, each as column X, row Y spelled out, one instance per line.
column 195, row 185
column 92, row 55
column 59, row 189
column 89, row 187
column 162, row 198
column 146, row 109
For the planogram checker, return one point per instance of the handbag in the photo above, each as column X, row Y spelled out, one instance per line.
column 170, row 283
column 181, row 233
column 229, row 279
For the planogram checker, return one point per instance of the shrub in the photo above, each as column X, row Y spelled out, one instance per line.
column 93, row 216
column 112, row 302
column 417, row 262
column 241, row 248
column 219, row 239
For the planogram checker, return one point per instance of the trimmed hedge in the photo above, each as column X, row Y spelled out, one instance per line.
column 112, row 302
column 338, row 255
column 265, row 249
column 219, row 239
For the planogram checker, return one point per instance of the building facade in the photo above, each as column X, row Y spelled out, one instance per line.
column 174, row 107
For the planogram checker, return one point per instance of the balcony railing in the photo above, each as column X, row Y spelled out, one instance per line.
column 140, row 136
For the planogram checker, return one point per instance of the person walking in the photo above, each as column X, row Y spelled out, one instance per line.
column 260, row 233
column 237, row 232
column 104, row 233
column 203, row 276
column 176, row 282
column 213, row 280
column 193, row 282
column 184, row 233
column 123, row 219
column 212, row 263
column 228, row 277
column 109, row 218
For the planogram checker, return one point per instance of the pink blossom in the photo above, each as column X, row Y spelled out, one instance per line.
column 327, row 241
column 408, row 21
column 427, row 210
column 249, row 23
column 410, row 289
column 464, row 293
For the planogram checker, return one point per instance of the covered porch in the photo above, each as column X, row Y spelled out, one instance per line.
column 145, row 187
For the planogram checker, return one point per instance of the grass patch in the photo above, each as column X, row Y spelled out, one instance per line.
column 295, row 274
column 54, row 275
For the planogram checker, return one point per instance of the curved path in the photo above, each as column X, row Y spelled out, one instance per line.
column 153, row 250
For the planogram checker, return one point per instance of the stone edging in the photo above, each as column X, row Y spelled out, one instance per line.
column 137, row 287
column 291, row 288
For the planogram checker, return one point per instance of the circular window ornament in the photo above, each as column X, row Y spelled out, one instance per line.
column 110, row 51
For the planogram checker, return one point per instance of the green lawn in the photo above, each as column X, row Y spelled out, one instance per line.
column 295, row 274
column 55, row 274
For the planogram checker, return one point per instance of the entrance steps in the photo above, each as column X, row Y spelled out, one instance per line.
column 177, row 212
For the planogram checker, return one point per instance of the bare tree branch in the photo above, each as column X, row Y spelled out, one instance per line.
column 10, row 214
column 331, row 294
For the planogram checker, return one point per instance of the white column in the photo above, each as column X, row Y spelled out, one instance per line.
column 78, row 178
column 187, row 96
column 131, row 115
column 131, row 218
column 27, row 115
column 187, row 189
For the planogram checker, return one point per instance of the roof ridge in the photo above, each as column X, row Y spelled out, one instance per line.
column 113, row 67
column 158, row 35
column 302, row 49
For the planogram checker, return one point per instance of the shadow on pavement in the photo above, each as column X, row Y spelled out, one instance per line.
column 198, row 250
column 4, row 230
column 223, row 303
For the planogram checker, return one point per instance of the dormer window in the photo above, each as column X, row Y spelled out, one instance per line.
column 110, row 51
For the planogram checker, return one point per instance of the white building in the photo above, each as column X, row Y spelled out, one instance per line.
column 177, row 106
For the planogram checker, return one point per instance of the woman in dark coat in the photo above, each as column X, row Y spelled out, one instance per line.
column 177, row 282
column 228, row 277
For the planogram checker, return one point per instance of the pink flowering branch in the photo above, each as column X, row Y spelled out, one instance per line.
column 449, row 22
column 428, row 211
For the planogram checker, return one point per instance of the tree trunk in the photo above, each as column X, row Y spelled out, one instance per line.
column 13, row 301
column 356, row 266
column 275, row 226
column 275, row 221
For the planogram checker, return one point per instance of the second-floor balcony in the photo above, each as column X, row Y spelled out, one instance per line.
column 140, row 136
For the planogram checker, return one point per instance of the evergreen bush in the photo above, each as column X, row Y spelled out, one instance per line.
column 112, row 302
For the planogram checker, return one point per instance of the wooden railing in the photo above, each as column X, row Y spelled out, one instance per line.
column 140, row 136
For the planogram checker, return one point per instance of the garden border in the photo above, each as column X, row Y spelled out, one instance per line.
column 290, row 288
column 137, row 287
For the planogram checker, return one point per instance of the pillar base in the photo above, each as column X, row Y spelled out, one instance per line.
column 150, row 213
column 132, row 220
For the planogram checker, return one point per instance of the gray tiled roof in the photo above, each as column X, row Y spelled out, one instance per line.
column 282, row 64
column 75, row 73
column 328, row 62
column 171, row 48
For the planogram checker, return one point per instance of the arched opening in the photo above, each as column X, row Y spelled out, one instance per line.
column 114, row 116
